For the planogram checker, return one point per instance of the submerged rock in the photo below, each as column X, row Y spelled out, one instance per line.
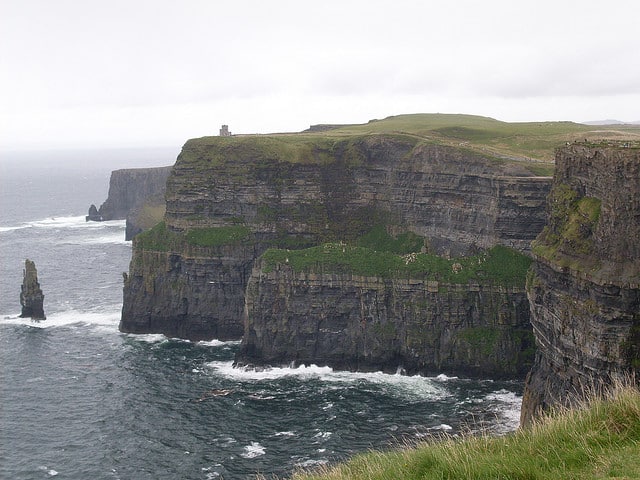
column 31, row 296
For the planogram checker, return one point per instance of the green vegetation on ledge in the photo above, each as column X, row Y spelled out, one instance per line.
column 500, row 265
column 598, row 442
column 569, row 233
column 161, row 239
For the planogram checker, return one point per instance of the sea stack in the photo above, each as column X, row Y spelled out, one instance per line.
column 31, row 296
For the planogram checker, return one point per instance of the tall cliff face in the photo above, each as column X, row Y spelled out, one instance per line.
column 301, row 190
column 328, row 190
column 584, row 288
column 129, row 188
column 357, row 322
column 137, row 195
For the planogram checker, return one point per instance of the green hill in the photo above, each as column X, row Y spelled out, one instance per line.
column 601, row 441
column 533, row 140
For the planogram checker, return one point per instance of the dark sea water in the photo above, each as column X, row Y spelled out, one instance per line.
column 79, row 400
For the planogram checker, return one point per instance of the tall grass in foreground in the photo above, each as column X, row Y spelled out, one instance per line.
column 600, row 440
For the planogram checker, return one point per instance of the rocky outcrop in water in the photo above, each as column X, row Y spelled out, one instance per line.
column 229, row 199
column 135, row 194
column 31, row 296
column 584, row 287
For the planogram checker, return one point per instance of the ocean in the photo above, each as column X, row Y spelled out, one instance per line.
column 80, row 400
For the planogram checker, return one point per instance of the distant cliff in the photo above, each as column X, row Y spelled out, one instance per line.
column 584, row 287
column 135, row 194
column 229, row 199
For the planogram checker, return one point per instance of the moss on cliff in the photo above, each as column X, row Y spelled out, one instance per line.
column 161, row 239
column 215, row 237
column 569, row 232
column 379, row 239
column 500, row 265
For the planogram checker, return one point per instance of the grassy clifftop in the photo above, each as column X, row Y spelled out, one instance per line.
column 534, row 140
column 513, row 142
column 598, row 442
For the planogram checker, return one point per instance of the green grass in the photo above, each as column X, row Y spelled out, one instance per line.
column 568, row 236
column 379, row 239
column 529, row 145
column 527, row 140
column 161, row 239
column 500, row 265
column 599, row 441
column 215, row 237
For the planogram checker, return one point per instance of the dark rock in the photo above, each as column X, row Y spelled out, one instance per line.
column 31, row 296
column 93, row 215
column 584, row 287
column 460, row 200
column 136, row 194
column 369, row 323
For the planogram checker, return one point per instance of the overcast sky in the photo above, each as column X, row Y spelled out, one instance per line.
column 112, row 73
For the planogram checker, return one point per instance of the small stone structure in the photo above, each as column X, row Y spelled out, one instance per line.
column 224, row 131
column 31, row 296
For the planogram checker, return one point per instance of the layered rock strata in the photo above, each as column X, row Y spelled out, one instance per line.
column 135, row 194
column 31, row 296
column 296, row 191
column 360, row 323
column 584, row 287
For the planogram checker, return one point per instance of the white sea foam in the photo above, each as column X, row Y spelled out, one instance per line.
column 507, row 408
column 116, row 238
column 217, row 343
column 414, row 386
column 253, row 450
column 445, row 378
column 49, row 471
column 148, row 337
column 443, row 426
column 103, row 320
column 310, row 463
column 65, row 221
column 11, row 229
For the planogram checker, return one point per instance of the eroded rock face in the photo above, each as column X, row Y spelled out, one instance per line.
column 31, row 296
column 584, row 289
column 370, row 323
column 136, row 194
column 197, row 294
column 333, row 190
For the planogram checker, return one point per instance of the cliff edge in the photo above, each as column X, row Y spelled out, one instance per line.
column 230, row 199
column 584, row 285
column 135, row 194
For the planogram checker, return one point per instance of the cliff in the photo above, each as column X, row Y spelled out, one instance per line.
column 584, row 287
column 31, row 296
column 135, row 194
column 229, row 199
column 357, row 322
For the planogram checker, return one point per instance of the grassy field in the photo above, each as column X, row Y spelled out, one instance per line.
column 533, row 140
column 500, row 265
column 598, row 441
column 532, row 144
